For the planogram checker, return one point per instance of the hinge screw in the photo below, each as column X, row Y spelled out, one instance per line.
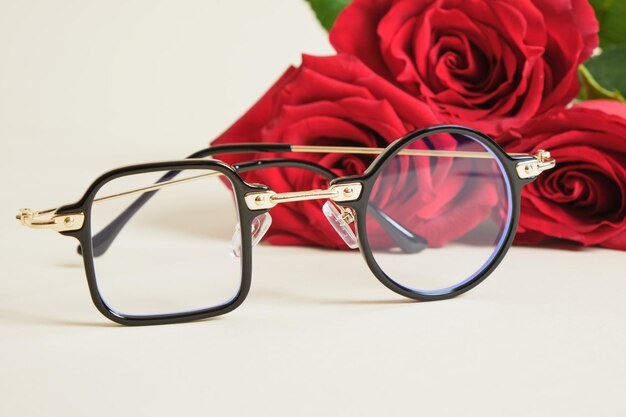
column 259, row 200
column 347, row 192
column 69, row 221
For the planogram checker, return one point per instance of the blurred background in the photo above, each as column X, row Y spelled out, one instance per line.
column 160, row 78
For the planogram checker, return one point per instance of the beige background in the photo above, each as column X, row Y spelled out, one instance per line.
column 88, row 86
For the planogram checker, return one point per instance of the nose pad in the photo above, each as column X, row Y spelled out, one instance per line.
column 340, row 219
column 260, row 225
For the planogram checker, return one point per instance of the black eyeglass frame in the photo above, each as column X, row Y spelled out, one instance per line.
column 84, row 235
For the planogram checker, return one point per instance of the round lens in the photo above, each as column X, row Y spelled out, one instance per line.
column 163, row 242
column 438, row 213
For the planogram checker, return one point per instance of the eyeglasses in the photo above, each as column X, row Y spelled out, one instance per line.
column 433, row 215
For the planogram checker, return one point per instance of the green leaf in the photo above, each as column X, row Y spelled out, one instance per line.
column 591, row 90
column 604, row 75
column 328, row 10
column 612, row 17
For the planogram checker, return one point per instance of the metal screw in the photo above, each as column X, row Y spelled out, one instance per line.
column 347, row 215
column 259, row 200
column 348, row 191
column 69, row 221
column 528, row 169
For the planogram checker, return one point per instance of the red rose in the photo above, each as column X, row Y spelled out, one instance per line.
column 584, row 198
column 327, row 101
column 490, row 65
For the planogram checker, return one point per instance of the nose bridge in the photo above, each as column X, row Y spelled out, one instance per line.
column 338, row 193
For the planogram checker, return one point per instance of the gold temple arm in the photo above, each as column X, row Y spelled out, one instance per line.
column 541, row 162
column 154, row 187
column 356, row 150
column 48, row 219
column 525, row 169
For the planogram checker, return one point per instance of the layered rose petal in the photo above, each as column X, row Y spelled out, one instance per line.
column 584, row 198
column 491, row 65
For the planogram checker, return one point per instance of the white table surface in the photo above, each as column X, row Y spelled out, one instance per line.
column 88, row 86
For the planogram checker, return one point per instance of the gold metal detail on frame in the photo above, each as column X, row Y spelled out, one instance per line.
column 48, row 219
column 338, row 193
column 358, row 150
column 155, row 187
column 529, row 169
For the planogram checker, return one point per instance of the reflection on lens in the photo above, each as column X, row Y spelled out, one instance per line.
column 436, row 221
column 174, row 254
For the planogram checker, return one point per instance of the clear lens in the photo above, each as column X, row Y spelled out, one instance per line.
column 174, row 253
column 435, row 221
